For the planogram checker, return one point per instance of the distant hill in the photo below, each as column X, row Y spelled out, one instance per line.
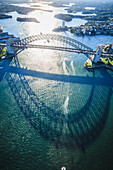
column 14, row 1
column 64, row 1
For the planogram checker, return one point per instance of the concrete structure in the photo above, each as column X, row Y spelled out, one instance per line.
column 9, row 42
column 98, row 54
column 66, row 44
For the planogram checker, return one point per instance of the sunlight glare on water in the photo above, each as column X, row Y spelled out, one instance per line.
column 46, row 19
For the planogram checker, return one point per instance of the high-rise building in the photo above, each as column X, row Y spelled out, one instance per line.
column 63, row 24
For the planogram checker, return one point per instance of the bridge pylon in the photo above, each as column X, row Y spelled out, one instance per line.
column 9, row 42
column 98, row 54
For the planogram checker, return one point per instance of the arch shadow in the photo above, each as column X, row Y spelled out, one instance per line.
column 62, row 78
column 78, row 129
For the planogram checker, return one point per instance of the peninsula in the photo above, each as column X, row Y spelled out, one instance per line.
column 103, row 58
column 6, row 8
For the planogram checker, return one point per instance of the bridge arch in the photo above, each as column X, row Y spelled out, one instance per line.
column 83, row 127
column 55, row 37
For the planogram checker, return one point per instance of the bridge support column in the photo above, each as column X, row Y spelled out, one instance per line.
column 9, row 42
column 97, row 55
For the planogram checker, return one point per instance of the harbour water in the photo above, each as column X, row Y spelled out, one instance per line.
column 53, row 112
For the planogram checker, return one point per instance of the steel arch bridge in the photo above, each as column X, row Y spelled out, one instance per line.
column 65, row 44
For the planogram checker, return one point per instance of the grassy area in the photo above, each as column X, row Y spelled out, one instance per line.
column 111, row 62
column 3, row 51
column 88, row 64
column 108, row 60
column 105, row 60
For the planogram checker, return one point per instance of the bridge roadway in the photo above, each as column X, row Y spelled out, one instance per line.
column 22, row 47
column 66, row 44
column 90, row 52
column 54, row 48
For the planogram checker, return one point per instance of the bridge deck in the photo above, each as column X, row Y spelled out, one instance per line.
column 73, row 45
column 54, row 48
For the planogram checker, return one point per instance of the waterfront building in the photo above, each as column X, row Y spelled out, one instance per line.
column 1, row 28
column 84, row 30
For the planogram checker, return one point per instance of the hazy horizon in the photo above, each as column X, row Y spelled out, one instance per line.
column 20, row 1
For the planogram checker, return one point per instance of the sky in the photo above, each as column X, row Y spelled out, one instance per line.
column 80, row 0
column 57, row 0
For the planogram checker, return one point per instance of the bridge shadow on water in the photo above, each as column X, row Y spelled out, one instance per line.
column 63, row 78
column 76, row 130
column 5, row 65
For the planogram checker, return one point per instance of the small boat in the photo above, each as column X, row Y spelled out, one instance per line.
column 1, row 68
column 3, row 57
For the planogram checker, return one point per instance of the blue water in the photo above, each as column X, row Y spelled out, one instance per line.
column 53, row 112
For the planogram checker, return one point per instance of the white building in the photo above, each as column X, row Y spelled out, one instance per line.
column 9, row 42
column 84, row 30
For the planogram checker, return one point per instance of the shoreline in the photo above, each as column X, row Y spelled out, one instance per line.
column 99, row 66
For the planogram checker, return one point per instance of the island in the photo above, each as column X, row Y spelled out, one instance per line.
column 44, row 10
column 57, row 4
column 4, row 16
column 27, row 20
column 37, row 8
column 35, row 5
column 65, row 17
column 6, row 8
